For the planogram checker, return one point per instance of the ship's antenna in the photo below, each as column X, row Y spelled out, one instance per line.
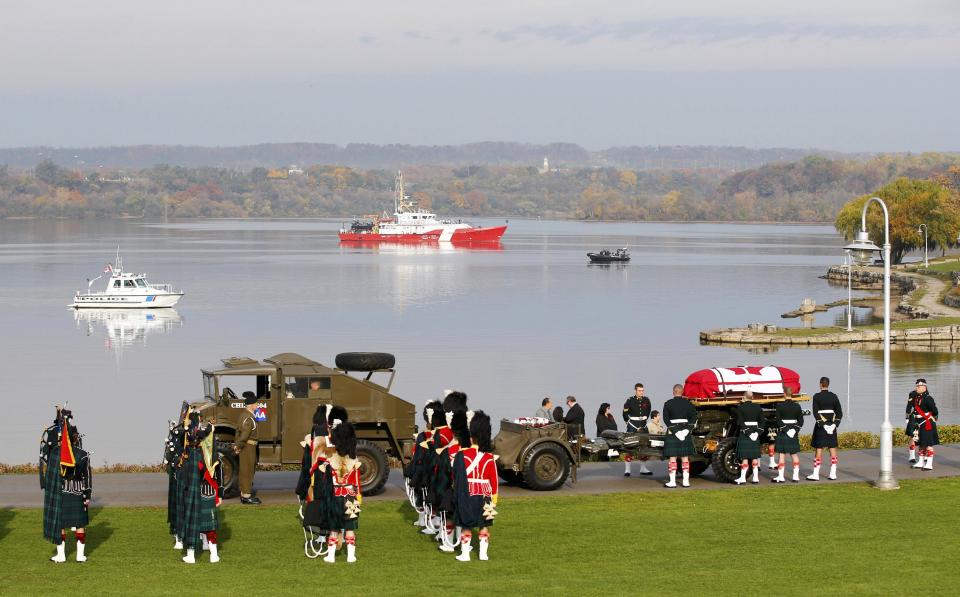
column 119, row 263
column 398, row 192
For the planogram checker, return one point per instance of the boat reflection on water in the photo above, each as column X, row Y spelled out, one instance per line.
column 430, row 248
column 126, row 327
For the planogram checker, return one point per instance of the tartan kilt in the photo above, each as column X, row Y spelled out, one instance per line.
column 910, row 427
column 172, row 501
column 928, row 437
column 338, row 515
column 747, row 449
column 822, row 439
column 785, row 444
column 208, row 514
column 72, row 511
column 673, row 447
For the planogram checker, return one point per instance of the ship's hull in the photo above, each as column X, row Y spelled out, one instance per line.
column 457, row 236
column 126, row 301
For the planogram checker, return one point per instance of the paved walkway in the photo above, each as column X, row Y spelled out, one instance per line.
column 276, row 487
column 930, row 301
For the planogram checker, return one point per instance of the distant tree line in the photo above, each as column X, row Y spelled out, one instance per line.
column 812, row 189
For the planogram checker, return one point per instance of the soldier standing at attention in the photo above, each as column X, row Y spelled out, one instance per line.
column 680, row 418
column 910, row 428
column 789, row 417
column 750, row 424
column 827, row 413
column 925, row 415
column 636, row 413
column 67, row 484
column 246, row 449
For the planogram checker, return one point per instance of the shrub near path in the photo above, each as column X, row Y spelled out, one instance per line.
column 808, row 539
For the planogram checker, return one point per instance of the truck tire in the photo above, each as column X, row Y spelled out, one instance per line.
column 724, row 463
column 365, row 361
column 374, row 467
column 510, row 476
column 698, row 467
column 229, row 468
column 546, row 467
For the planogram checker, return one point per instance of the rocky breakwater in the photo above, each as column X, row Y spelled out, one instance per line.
column 757, row 334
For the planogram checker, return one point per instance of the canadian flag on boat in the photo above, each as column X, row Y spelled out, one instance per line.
column 107, row 268
column 721, row 382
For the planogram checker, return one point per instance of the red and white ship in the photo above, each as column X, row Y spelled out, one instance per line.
column 410, row 224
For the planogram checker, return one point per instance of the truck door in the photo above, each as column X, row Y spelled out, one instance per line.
column 301, row 396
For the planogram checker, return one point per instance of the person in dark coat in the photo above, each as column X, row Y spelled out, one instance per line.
column 827, row 413
column 925, row 415
column 574, row 418
column 416, row 471
column 680, row 417
column 636, row 413
column 751, row 424
column 789, row 420
column 67, row 484
column 558, row 414
column 605, row 420
column 910, row 427
column 172, row 461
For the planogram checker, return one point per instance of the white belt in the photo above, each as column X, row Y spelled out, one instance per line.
column 750, row 423
column 789, row 421
column 637, row 418
column 678, row 421
column 825, row 411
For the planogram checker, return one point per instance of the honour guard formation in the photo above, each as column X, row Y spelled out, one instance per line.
column 451, row 474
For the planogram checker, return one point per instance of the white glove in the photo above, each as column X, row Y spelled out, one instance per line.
column 791, row 433
column 830, row 429
column 753, row 436
column 682, row 434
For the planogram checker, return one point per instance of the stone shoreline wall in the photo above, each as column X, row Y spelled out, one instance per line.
column 946, row 334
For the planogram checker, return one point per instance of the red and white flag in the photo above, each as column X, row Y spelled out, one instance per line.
column 107, row 268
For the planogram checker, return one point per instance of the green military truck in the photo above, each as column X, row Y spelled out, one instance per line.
column 290, row 387
column 542, row 457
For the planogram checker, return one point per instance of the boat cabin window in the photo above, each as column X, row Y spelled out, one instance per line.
column 140, row 283
column 129, row 284
column 116, row 283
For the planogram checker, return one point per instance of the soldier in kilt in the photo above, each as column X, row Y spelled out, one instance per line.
column 476, row 487
column 925, row 415
column 789, row 419
column 344, row 507
column 910, row 427
column 67, row 483
column 680, row 417
column 172, row 460
column 751, row 424
column 318, row 493
column 433, row 449
column 455, row 409
column 201, row 490
column 415, row 472
column 827, row 413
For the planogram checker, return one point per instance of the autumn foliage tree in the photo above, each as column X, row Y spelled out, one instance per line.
column 911, row 202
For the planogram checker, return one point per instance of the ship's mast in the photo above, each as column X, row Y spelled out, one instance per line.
column 398, row 192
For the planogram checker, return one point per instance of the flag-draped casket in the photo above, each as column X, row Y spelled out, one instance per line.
column 722, row 382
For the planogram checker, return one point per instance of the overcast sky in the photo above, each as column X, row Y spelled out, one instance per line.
column 856, row 75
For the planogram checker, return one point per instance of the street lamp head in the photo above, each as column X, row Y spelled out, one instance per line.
column 862, row 248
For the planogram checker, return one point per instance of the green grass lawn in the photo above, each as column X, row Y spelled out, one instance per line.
column 897, row 325
column 806, row 539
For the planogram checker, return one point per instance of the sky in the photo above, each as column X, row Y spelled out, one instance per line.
column 850, row 75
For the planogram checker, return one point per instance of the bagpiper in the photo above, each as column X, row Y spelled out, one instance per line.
column 680, row 418
column 433, row 451
column 200, row 495
column 910, row 427
column 827, row 414
column 476, row 487
column 67, row 484
column 636, row 413
column 315, row 487
column 455, row 411
column 172, row 458
column 789, row 420
column 344, row 470
column 751, row 424
column 925, row 415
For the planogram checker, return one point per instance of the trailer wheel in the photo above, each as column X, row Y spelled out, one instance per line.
column 698, row 467
column 725, row 465
column 510, row 476
column 365, row 361
column 546, row 467
column 374, row 467
column 230, row 469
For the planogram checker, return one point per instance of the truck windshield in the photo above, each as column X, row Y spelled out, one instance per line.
column 209, row 387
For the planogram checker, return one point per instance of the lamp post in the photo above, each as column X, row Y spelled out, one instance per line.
column 847, row 261
column 862, row 249
column 926, row 264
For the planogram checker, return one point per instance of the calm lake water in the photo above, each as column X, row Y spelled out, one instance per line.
column 507, row 326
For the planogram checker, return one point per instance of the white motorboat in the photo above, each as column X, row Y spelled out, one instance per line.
column 126, row 291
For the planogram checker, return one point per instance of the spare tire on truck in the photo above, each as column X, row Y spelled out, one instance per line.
column 365, row 361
